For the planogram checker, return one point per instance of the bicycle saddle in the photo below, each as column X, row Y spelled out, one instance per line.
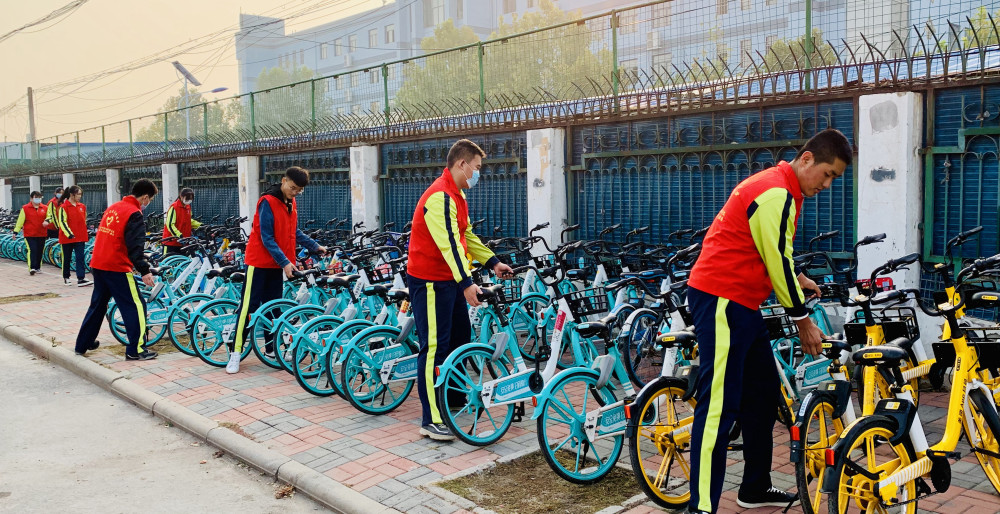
column 376, row 290
column 833, row 347
column 238, row 278
column 881, row 355
column 594, row 328
column 336, row 281
column 681, row 338
column 399, row 295
column 983, row 300
column 488, row 292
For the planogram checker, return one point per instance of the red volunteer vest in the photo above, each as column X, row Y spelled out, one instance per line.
column 76, row 220
column 182, row 221
column 110, row 252
column 425, row 259
column 285, row 225
column 33, row 218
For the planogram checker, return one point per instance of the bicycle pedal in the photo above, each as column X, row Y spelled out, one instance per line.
column 940, row 470
column 922, row 487
column 955, row 455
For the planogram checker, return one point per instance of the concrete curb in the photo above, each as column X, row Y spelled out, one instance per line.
column 321, row 488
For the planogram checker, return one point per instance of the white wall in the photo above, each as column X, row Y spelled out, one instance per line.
column 547, row 201
column 364, row 186
column 248, row 177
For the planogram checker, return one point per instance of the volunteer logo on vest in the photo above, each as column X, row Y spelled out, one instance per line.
column 110, row 219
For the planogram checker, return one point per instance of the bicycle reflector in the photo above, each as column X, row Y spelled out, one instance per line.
column 831, row 458
column 534, row 401
column 437, row 371
column 796, row 436
column 628, row 412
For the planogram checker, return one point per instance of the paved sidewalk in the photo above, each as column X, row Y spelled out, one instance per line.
column 382, row 457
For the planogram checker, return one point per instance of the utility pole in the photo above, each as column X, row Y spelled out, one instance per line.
column 31, row 124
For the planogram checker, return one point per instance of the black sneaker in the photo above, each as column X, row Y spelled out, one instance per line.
column 90, row 348
column 83, row 282
column 32, row 272
column 144, row 356
column 773, row 497
column 437, row 432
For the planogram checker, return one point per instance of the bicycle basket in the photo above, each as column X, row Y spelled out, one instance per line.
column 515, row 259
column 379, row 274
column 778, row 324
column 588, row 301
column 896, row 322
column 544, row 261
column 986, row 340
column 613, row 267
column 512, row 289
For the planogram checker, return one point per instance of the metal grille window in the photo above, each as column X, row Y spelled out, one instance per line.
column 95, row 191
column 216, row 189
column 21, row 192
column 328, row 195
column 154, row 173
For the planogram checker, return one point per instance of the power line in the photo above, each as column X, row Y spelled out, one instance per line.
column 65, row 10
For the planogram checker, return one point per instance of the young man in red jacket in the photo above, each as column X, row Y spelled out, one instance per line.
column 270, row 254
column 442, row 246
column 737, row 379
column 178, row 222
column 31, row 220
column 118, row 251
column 71, row 218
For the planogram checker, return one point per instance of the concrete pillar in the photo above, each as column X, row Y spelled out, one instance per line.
column 171, row 183
column 114, row 179
column 890, row 179
column 248, row 175
column 364, row 186
column 35, row 183
column 6, row 194
column 547, row 201
column 69, row 179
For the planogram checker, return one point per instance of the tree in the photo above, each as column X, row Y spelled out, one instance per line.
column 787, row 54
column 275, row 104
column 983, row 29
column 179, row 122
column 451, row 76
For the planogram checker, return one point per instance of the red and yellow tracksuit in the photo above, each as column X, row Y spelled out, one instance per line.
column 30, row 219
column 178, row 223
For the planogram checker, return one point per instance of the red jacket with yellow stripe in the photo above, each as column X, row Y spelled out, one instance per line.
column 747, row 252
column 442, row 244
column 72, row 222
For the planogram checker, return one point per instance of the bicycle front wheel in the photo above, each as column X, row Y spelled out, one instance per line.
column 659, row 443
column 461, row 405
column 868, row 449
column 818, row 431
column 360, row 375
column 562, row 434
column 982, row 426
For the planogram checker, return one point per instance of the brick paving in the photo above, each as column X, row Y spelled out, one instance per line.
column 381, row 456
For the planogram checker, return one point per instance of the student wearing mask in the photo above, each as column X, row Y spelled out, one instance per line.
column 71, row 219
column 31, row 220
column 50, row 215
column 177, row 222
column 118, row 252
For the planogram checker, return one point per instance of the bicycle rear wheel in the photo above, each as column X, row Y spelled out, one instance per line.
column 866, row 445
column 461, row 405
column 643, row 359
column 818, row 431
column 982, row 428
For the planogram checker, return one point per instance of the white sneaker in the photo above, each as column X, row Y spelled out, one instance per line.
column 67, row 282
column 233, row 366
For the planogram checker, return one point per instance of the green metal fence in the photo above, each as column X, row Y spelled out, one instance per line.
column 95, row 191
column 153, row 173
column 658, row 57
column 216, row 188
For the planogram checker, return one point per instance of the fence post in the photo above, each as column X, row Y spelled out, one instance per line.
column 114, row 179
column 312, row 100
column 131, row 147
column 248, row 178
column 6, row 194
column 35, row 183
column 385, row 89
column 169, row 174
column 104, row 152
column 253, row 123
column 547, row 200
column 614, row 58
column 482, row 80
column 364, row 185
column 166, row 135
column 204, row 117
column 79, row 156
column 69, row 179
column 809, row 45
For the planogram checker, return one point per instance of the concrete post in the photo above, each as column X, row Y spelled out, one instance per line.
column 248, row 175
column 69, row 179
column 6, row 194
column 890, row 178
column 171, row 183
column 364, row 186
column 547, row 201
column 35, row 183
column 114, row 179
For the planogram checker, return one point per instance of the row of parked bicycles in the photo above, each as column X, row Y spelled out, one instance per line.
column 596, row 336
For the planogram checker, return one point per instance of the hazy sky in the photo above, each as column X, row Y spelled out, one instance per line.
column 107, row 34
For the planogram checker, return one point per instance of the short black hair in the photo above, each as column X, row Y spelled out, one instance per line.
column 463, row 149
column 828, row 146
column 298, row 175
column 144, row 187
column 36, row 194
column 59, row 190
column 185, row 193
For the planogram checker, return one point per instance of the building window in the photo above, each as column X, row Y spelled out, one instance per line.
column 722, row 51
column 661, row 64
column 509, row 6
column 355, row 79
column 373, row 75
column 770, row 40
column 375, row 107
column 372, row 38
column 630, row 71
column 302, row 56
column 434, row 12
column 352, row 43
column 626, row 22
column 356, row 109
column 322, row 50
column 661, row 15
column 338, row 45
column 341, row 111
column 746, row 47
column 390, row 71
column 531, row 4
column 390, row 34
column 772, row 2
column 745, row 5
column 340, row 82
column 721, row 6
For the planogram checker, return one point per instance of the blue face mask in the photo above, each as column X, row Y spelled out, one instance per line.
column 475, row 178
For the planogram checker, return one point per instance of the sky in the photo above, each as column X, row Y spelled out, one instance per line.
column 105, row 35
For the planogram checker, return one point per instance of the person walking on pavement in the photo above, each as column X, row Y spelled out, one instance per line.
column 50, row 215
column 30, row 219
column 118, row 252
column 442, row 245
column 177, row 222
column 71, row 218
column 270, row 255
column 737, row 380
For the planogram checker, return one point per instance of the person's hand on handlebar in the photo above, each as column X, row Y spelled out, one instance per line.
column 810, row 336
column 472, row 295
column 809, row 286
column 148, row 280
column 503, row 271
column 289, row 270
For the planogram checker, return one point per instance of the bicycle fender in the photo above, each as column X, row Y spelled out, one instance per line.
column 449, row 363
column 546, row 393
column 627, row 326
column 353, row 343
column 901, row 412
column 690, row 374
column 830, row 483
column 405, row 328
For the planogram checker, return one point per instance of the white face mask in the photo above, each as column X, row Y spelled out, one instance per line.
column 36, row 201
column 186, row 201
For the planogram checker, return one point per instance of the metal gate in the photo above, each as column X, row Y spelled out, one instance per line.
column 153, row 173
column 676, row 172
column 20, row 192
column 95, row 191
column 329, row 193
column 216, row 189
column 501, row 196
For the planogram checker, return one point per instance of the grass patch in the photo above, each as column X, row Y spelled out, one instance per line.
column 27, row 298
column 527, row 485
column 162, row 347
column 235, row 427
